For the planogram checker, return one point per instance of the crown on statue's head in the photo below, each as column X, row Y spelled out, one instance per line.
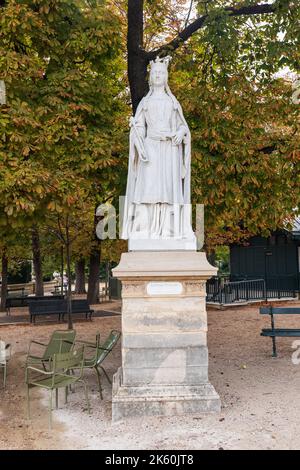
column 161, row 60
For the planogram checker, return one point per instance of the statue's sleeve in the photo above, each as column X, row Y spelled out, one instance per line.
column 140, row 120
column 180, row 123
column 186, row 144
column 137, row 135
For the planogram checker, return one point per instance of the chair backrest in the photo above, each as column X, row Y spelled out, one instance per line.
column 68, row 360
column 279, row 310
column 61, row 341
column 108, row 345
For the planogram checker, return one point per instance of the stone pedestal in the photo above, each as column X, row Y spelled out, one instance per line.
column 164, row 348
column 172, row 244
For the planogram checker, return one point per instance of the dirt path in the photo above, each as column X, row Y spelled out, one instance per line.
column 260, row 396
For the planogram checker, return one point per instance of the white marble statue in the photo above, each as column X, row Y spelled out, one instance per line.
column 157, row 203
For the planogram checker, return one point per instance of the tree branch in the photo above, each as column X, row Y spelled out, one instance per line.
column 268, row 149
column 189, row 14
column 199, row 23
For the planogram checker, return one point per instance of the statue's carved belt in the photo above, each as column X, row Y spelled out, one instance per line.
column 158, row 135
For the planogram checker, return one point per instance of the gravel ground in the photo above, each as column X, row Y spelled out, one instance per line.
column 260, row 395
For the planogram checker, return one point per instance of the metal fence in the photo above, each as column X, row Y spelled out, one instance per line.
column 281, row 287
column 223, row 291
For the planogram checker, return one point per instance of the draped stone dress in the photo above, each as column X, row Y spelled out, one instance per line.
column 156, row 180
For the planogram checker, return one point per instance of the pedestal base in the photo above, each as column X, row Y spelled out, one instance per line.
column 164, row 328
column 162, row 400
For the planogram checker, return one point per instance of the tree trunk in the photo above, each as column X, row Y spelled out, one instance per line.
column 137, row 57
column 4, row 269
column 94, row 275
column 62, row 268
column 80, row 276
column 211, row 257
column 37, row 262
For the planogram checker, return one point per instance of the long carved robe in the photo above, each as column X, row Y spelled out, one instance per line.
column 158, row 185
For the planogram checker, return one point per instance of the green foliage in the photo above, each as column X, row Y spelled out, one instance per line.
column 64, row 129
column 246, row 161
column 222, row 259
column 63, row 126
column 245, row 129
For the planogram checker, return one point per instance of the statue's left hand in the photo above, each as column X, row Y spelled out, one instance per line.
column 178, row 136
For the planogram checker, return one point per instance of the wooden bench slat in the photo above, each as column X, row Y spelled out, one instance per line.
column 288, row 332
column 280, row 310
column 283, row 332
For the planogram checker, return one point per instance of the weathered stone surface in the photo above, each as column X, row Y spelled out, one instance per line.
column 164, row 315
column 140, row 288
column 162, row 400
column 164, row 265
column 190, row 375
column 122, row 409
column 169, row 340
column 164, row 346
column 165, row 357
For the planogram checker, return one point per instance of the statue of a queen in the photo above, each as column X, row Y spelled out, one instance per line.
column 157, row 204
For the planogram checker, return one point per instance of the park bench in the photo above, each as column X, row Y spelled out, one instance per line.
column 16, row 298
column 58, row 307
column 273, row 332
column 80, row 306
column 22, row 300
column 36, row 298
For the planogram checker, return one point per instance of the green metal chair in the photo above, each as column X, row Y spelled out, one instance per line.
column 5, row 354
column 58, row 376
column 100, row 352
column 61, row 341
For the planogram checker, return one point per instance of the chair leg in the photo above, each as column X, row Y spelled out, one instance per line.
column 66, row 394
column 56, row 397
column 50, row 410
column 28, row 402
column 86, row 396
column 70, row 386
column 99, row 382
column 102, row 368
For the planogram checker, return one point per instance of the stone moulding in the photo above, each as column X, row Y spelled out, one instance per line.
column 140, row 288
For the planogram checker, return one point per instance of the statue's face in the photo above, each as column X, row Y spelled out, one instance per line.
column 158, row 75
